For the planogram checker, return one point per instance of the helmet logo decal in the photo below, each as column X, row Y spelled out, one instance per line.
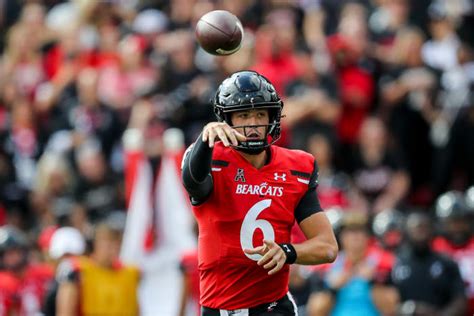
column 240, row 175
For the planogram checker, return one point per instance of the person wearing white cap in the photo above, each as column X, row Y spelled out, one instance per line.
column 99, row 284
column 65, row 242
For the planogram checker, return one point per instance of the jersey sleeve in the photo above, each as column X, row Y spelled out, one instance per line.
column 196, row 171
column 309, row 203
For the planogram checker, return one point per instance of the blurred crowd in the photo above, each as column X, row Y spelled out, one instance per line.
column 379, row 91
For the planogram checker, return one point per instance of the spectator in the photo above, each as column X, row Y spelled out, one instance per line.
column 65, row 243
column 408, row 95
column 463, row 147
column 378, row 173
column 335, row 188
column 429, row 283
column 54, row 188
column 22, row 61
column 120, row 84
column 440, row 51
column 387, row 19
column 312, row 105
column 352, row 282
column 99, row 284
column 87, row 116
column 356, row 86
column 97, row 188
column 274, row 51
column 157, row 204
column 24, row 141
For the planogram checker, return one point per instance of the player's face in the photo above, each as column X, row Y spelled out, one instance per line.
column 257, row 117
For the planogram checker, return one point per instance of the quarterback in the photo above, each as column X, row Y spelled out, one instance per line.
column 247, row 193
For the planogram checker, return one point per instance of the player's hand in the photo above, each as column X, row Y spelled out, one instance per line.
column 216, row 131
column 273, row 257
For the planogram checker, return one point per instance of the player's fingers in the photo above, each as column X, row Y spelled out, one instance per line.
column 274, row 261
column 277, row 268
column 270, row 243
column 211, row 137
column 267, row 256
column 257, row 250
column 206, row 131
column 239, row 136
column 270, row 264
column 231, row 136
column 222, row 136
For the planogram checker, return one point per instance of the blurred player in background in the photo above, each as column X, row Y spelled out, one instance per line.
column 246, row 195
column 23, row 284
column 457, row 240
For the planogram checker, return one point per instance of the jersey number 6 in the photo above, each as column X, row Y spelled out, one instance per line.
column 250, row 225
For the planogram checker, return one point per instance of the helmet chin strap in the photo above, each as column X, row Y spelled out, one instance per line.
column 252, row 147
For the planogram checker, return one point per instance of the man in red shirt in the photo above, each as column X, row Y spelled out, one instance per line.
column 246, row 195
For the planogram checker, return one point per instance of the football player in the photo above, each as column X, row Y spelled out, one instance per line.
column 246, row 194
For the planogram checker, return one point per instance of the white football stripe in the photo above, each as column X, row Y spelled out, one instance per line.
column 216, row 169
column 302, row 180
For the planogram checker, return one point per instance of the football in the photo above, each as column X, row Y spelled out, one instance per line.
column 219, row 32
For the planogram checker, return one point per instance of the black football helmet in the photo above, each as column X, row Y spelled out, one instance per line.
column 386, row 221
column 453, row 212
column 246, row 90
column 469, row 199
column 451, row 205
column 388, row 227
column 12, row 238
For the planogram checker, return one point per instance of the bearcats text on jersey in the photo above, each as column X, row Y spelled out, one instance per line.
column 262, row 189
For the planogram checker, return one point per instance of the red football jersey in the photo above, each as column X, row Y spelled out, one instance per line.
column 24, row 296
column 464, row 256
column 246, row 206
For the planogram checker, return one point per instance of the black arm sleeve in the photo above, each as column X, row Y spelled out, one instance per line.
column 197, row 178
column 309, row 203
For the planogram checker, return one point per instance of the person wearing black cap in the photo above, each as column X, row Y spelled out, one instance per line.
column 441, row 51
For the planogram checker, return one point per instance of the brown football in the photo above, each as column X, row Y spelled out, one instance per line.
column 219, row 32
